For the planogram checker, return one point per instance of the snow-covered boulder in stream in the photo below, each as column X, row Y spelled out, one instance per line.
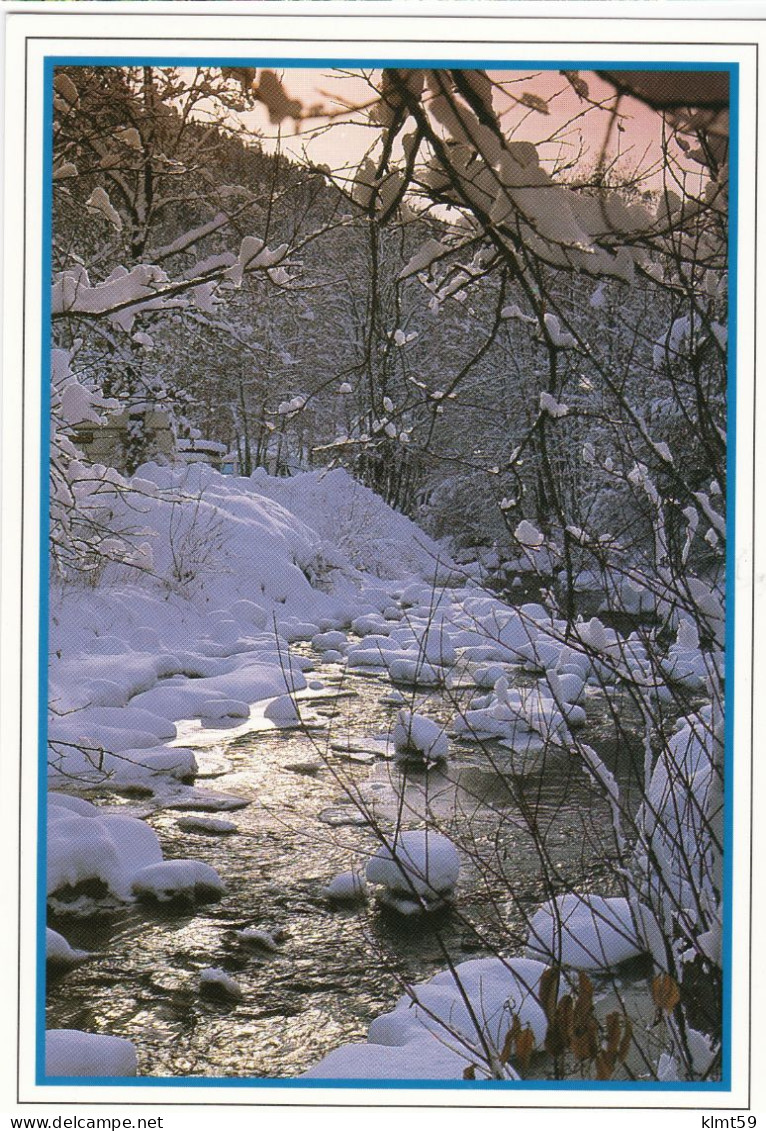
column 71, row 1052
column 171, row 880
column 419, row 740
column 95, row 856
column 417, row 872
column 59, row 953
column 346, row 887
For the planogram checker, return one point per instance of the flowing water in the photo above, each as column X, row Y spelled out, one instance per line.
column 314, row 798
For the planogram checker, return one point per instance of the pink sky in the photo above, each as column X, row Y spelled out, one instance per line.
column 346, row 142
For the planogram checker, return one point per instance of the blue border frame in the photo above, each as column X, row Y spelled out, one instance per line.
column 649, row 1086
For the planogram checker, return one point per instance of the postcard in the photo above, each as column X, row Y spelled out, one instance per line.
column 379, row 582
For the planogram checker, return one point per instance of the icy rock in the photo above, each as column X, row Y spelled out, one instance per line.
column 346, row 887
column 58, row 952
column 216, row 983
column 418, row 872
column 339, row 816
column 71, row 1052
column 253, row 936
column 188, row 880
column 213, row 826
column 419, row 739
column 206, row 801
column 584, row 931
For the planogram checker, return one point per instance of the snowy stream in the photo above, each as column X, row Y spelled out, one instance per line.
column 329, row 969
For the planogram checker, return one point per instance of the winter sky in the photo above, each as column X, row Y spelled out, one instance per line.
column 571, row 131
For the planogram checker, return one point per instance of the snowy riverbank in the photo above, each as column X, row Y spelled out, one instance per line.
column 235, row 572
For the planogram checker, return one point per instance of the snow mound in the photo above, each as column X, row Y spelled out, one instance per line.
column 346, row 887
column 530, row 724
column 584, row 931
column 70, row 1052
column 418, row 872
column 58, row 952
column 684, row 801
column 419, row 739
column 188, row 880
column 444, row 1025
column 105, row 852
column 496, row 989
column 423, row 1059
column 375, row 538
column 282, row 712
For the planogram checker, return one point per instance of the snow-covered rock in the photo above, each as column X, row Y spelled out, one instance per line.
column 188, row 880
column 106, row 849
column 71, row 1052
column 214, row 982
column 58, row 952
column 584, row 931
column 346, row 887
column 418, row 871
column 257, row 937
column 282, row 712
column 419, row 739
column 413, row 670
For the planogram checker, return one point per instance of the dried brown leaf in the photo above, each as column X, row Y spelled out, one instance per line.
column 549, row 990
column 604, row 1065
column 564, row 1017
column 534, row 102
column 577, row 82
column 665, row 993
column 525, row 1043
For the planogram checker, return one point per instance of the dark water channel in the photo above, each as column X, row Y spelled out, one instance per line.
column 334, row 968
